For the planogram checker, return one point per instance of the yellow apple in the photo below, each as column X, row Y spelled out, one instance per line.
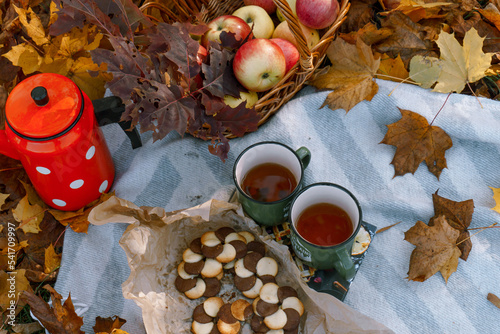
column 291, row 3
column 283, row 31
column 250, row 97
column 258, row 19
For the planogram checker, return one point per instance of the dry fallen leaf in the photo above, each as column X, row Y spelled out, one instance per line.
column 425, row 70
column 459, row 216
column 52, row 259
column 459, row 64
column 383, row 229
column 419, row 9
column 66, row 54
column 492, row 14
column 494, row 299
column 108, row 325
column 407, row 39
column 60, row 318
column 32, row 327
column 394, row 68
column 350, row 76
column 78, row 220
column 436, row 250
column 29, row 216
column 496, row 197
column 3, row 198
column 33, row 25
column 21, row 284
column 417, row 141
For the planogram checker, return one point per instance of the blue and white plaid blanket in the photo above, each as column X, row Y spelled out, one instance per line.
column 179, row 173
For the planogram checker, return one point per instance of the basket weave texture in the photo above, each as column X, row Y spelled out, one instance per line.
column 310, row 60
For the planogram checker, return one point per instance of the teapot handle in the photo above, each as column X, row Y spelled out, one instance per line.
column 6, row 147
column 109, row 110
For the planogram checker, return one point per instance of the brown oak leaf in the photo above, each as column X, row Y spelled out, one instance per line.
column 459, row 216
column 58, row 318
column 350, row 76
column 436, row 250
column 416, row 141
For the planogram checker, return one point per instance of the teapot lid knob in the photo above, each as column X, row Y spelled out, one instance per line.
column 40, row 96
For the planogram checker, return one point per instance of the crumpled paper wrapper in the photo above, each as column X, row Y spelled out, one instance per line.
column 154, row 243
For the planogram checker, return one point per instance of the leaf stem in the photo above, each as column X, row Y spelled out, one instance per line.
column 440, row 109
column 395, row 78
column 474, row 93
column 60, row 235
column 479, row 228
column 482, row 229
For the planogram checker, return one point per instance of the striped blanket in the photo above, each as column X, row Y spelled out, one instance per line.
column 177, row 173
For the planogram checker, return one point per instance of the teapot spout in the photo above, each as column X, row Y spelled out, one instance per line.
column 6, row 147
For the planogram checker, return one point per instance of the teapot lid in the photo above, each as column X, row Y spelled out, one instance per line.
column 43, row 106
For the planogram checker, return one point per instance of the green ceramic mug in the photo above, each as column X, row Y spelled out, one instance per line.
column 269, row 152
column 337, row 256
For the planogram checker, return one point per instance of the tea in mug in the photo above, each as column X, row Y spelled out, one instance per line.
column 268, row 182
column 324, row 224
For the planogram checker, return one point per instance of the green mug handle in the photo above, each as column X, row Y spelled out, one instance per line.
column 304, row 156
column 344, row 265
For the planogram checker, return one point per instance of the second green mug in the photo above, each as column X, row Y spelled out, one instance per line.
column 269, row 152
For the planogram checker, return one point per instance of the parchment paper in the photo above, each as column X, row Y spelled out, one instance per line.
column 154, row 243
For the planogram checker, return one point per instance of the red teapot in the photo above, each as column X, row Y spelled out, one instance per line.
column 52, row 127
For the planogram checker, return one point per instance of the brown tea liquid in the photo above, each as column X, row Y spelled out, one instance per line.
column 268, row 182
column 324, row 224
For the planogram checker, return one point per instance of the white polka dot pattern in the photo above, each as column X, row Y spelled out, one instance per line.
column 59, row 202
column 103, row 186
column 76, row 184
column 43, row 170
column 90, row 153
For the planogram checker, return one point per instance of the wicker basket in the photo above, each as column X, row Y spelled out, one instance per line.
column 310, row 59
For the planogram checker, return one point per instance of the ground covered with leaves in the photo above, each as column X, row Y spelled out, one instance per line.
column 151, row 63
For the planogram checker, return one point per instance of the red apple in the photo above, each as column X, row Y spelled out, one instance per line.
column 291, row 53
column 317, row 14
column 259, row 64
column 268, row 5
column 228, row 23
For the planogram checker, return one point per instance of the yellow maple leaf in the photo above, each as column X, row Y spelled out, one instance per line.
column 92, row 86
column 496, row 197
column 26, row 57
column 52, row 259
column 33, row 25
column 393, row 68
column 68, row 55
column 459, row 64
column 350, row 76
column 425, row 70
column 29, row 216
